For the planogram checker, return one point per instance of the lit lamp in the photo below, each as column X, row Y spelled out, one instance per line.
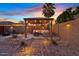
column 46, row 42
column 68, row 26
column 11, row 28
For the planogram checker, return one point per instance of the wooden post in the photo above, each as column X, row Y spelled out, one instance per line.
column 58, row 32
column 25, row 29
column 51, row 30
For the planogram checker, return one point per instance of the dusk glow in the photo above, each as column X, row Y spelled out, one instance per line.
column 18, row 11
column 39, row 29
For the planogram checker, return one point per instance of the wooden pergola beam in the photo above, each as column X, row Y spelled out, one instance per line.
column 38, row 19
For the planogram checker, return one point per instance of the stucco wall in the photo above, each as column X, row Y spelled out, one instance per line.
column 68, row 31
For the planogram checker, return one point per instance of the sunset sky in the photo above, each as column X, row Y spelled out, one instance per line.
column 17, row 11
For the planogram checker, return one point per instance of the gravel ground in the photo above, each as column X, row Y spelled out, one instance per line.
column 37, row 47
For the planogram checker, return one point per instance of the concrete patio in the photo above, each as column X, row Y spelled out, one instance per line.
column 36, row 47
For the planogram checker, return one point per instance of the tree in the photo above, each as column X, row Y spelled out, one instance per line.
column 76, row 11
column 48, row 10
column 67, row 15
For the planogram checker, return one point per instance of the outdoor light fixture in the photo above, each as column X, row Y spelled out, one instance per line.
column 68, row 26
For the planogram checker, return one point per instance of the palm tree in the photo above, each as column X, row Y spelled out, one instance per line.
column 48, row 11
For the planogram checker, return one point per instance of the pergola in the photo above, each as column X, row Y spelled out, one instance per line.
column 38, row 21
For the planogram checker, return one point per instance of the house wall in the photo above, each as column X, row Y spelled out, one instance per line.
column 68, row 31
column 1, row 29
column 19, row 29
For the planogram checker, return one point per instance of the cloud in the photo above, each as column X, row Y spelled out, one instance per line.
column 8, row 19
column 58, row 11
column 30, row 12
column 21, row 12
